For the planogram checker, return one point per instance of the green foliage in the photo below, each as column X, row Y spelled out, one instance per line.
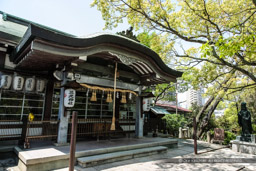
column 254, row 128
column 229, row 121
column 174, row 121
column 222, row 33
column 158, row 43
column 228, row 137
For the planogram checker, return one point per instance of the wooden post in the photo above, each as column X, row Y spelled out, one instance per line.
column 195, row 136
column 24, row 131
column 73, row 141
column 176, row 92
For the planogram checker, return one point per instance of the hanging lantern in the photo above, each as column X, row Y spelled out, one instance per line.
column 123, row 100
column 69, row 97
column 93, row 98
column 6, row 81
column 30, row 84
column 18, row 82
column 147, row 103
column 40, row 84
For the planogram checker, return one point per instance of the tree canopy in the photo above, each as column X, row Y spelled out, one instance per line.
column 221, row 36
column 224, row 29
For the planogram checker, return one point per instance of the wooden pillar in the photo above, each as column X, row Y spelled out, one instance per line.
column 63, row 117
column 48, row 100
column 72, row 156
column 139, row 116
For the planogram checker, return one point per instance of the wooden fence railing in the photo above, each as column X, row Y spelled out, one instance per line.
column 26, row 131
column 101, row 127
column 10, row 129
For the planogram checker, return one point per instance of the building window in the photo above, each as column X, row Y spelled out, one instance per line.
column 16, row 104
column 90, row 109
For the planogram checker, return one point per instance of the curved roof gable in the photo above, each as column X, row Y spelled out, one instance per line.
column 76, row 46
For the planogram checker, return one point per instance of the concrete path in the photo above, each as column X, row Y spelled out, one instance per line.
column 171, row 159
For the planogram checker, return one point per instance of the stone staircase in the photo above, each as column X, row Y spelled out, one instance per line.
column 52, row 157
column 119, row 155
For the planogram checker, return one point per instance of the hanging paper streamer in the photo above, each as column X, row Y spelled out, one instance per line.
column 130, row 96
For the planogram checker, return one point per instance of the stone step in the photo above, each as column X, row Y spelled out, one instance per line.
column 118, row 156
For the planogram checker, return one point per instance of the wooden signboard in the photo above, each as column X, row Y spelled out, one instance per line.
column 219, row 134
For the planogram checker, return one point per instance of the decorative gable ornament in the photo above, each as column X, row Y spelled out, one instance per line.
column 18, row 82
column 69, row 97
column 40, row 85
column 30, row 84
column 6, row 81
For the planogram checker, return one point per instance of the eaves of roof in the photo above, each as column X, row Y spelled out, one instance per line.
column 36, row 31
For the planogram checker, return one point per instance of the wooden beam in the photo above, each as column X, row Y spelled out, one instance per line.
column 107, row 83
column 107, row 71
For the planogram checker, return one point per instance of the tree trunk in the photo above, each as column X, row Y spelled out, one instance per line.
column 212, row 103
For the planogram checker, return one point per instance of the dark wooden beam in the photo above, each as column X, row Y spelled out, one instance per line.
column 2, row 59
column 107, row 71
column 48, row 100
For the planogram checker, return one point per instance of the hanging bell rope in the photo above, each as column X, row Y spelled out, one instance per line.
column 113, row 126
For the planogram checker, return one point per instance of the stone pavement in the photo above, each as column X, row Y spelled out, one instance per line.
column 185, row 150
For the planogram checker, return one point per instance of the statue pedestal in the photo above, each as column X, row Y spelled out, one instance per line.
column 244, row 147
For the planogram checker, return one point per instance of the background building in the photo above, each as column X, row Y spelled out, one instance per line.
column 193, row 97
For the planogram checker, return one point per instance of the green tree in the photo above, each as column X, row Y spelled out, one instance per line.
column 224, row 30
column 221, row 34
column 173, row 122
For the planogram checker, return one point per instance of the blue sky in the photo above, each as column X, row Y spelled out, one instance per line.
column 71, row 16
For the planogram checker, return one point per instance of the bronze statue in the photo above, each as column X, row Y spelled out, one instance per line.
column 244, row 120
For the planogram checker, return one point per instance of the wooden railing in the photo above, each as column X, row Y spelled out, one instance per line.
column 10, row 130
column 101, row 127
column 26, row 131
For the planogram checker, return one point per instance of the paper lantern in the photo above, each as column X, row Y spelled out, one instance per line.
column 69, row 97
column 18, row 82
column 40, row 85
column 147, row 103
column 30, row 84
column 6, row 81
